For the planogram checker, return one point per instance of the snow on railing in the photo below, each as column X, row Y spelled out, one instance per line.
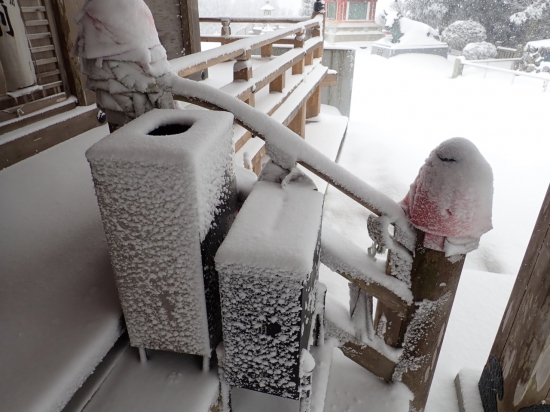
column 460, row 62
column 194, row 63
column 287, row 149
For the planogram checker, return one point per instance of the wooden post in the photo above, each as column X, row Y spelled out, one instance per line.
column 191, row 32
column 317, row 31
column 457, row 68
column 434, row 280
column 67, row 30
column 517, row 374
column 313, row 105
column 309, row 59
column 226, row 28
column 298, row 124
column 278, row 84
column 298, row 68
column 242, row 70
column 267, row 50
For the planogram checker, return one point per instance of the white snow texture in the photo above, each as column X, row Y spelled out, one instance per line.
column 268, row 267
column 158, row 197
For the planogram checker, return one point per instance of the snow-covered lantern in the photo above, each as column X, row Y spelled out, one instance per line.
column 267, row 8
column 451, row 199
column 268, row 267
column 166, row 190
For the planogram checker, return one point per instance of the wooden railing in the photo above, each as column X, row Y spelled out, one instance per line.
column 412, row 314
column 226, row 35
column 303, row 61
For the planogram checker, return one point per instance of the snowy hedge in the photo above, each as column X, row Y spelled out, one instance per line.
column 480, row 51
column 460, row 33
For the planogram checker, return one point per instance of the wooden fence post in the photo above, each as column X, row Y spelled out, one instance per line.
column 319, row 8
column 517, row 374
column 434, row 281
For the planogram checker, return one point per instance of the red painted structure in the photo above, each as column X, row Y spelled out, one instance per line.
column 350, row 10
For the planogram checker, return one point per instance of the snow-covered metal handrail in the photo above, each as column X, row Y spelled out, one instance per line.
column 287, row 149
column 460, row 62
column 196, row 62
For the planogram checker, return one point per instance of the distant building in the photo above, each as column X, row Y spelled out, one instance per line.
column 351, row 20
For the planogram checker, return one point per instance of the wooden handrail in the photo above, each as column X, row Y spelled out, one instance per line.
column 199, row 61
column 266, row 20
column 286, row 148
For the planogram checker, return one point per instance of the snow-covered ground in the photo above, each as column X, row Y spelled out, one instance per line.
column 402, row 108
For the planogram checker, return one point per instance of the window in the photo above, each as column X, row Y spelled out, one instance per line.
column 331, row 10
column 357, row 11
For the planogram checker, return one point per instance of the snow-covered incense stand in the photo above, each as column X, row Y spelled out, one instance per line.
column 268, row 268
column 166, row 190
column 121, row 55
column 404, row 35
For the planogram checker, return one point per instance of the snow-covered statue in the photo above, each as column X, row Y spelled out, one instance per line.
column 403, row 28
column 123, row 58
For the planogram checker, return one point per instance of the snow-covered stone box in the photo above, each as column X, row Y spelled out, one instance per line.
column 268, row 267
column 166, row 190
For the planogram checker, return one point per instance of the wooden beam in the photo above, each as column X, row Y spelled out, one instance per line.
column 191, row 32
column 267, row 50
column 521, row 350
column 242, row 70
column 379, row 292
column 299, row 67
column 278, row 84
column 370, row 359
column 331, row 79
column 361, row 352
column 434, row 281
column 36, row 142
column 67, row 35
column 308, row 60
column 313, row 105
column 298, row 123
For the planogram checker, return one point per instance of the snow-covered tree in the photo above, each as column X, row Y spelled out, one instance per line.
column 480, row 51
column 462, row 32
column 307, row 7
column 533, row 11
column 509, row 22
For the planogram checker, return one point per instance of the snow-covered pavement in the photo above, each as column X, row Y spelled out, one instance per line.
column 402, row 108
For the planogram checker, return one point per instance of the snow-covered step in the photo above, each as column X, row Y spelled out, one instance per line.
column 167, row 382
column 62, row 313
column 244, row 400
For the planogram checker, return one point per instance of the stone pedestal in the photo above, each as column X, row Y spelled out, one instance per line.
column 167, row 194
column 387, row 49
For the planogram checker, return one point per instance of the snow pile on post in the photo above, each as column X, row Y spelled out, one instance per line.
column 167, row 194
column 452, row 197
column 123, row 59
column 268, row 268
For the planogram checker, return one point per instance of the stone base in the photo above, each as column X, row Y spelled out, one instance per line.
column 347, row 31
column 388, row 50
